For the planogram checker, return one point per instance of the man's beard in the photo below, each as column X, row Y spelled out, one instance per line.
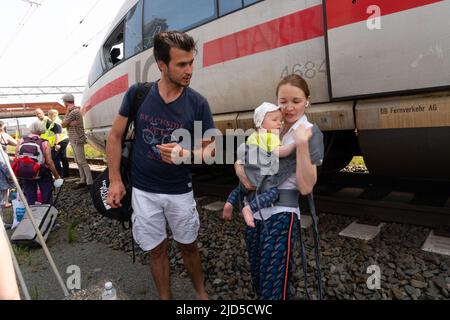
column 175, row 82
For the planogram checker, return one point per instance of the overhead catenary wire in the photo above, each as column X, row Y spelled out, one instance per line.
column 32, row 3
column 75, row 80
column 67, row 36
column 79, row 49
column 29, row 13
column 74, row 54
column 89, row 12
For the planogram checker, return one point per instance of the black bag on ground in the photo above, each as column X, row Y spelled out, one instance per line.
column 99, row 190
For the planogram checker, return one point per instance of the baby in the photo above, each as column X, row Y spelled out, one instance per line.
column 268, row 120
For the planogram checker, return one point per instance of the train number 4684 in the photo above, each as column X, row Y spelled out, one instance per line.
column 308, row 70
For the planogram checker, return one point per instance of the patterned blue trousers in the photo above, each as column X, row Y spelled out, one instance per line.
column 266, row 198
column 271, row 255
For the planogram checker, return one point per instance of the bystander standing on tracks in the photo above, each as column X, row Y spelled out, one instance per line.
column 73, row 121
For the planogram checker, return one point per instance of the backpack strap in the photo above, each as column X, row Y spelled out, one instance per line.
column 141, row 93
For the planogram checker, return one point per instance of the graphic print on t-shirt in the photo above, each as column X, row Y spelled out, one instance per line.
column 157, row 131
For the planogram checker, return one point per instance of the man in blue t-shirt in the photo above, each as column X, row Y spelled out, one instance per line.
column 162, row 190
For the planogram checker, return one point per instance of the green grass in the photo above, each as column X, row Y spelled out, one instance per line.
column 89, row 151
column 142, row 291
column 34, row 294
column 72, row 235
column 22, row 253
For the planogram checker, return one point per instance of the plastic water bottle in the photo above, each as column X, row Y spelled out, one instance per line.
column 109, row 293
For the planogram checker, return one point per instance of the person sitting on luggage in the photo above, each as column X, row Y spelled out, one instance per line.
column 268, row 120
column 33, row 165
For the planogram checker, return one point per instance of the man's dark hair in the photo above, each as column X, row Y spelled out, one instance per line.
column 163, row 41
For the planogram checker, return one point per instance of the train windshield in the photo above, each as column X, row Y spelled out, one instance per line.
column 160, row 15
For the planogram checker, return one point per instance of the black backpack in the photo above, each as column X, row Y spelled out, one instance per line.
column 99, row 190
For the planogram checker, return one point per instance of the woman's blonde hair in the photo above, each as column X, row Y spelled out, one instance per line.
column 53, row 114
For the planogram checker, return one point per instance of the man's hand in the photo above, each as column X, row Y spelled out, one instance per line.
column 116, row 192
column 172, row 153
column 73, row 123
column 57, row 147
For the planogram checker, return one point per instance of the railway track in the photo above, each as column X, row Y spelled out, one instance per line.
column 91, row 161
column 370, row 199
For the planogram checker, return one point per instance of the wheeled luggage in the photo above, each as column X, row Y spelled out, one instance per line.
column 45, row 216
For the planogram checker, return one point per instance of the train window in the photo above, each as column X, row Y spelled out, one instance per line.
column 97, row 68
column 133, row 31
column 113, row 47
column 248, row 2
column 226, row 6
column 182, row 15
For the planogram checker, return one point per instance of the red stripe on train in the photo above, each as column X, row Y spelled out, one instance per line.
column 341, row 13
column 299, row 26
column 110, row 90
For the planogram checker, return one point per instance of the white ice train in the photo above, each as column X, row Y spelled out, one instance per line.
column 379, row 71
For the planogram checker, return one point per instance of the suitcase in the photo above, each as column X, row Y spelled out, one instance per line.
column 45, row 216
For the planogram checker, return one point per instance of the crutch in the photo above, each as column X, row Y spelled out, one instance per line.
column 312, row 208
column 33, row 222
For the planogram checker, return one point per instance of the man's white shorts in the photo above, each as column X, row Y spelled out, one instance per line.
column 150, row 212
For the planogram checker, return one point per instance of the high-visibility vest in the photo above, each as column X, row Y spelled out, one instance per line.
column 49, row 135
column 63, row 135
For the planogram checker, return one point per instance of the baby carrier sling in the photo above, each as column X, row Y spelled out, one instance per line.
column 287, row 198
